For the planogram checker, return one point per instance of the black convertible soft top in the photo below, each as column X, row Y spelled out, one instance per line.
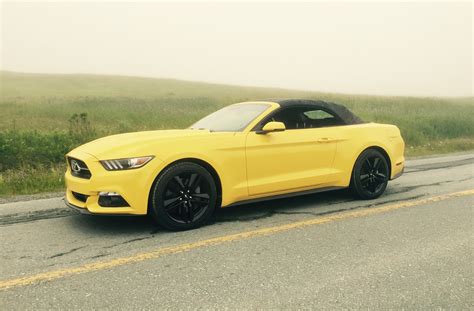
column 342, row 112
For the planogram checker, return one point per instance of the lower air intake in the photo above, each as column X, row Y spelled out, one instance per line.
column 112, row 201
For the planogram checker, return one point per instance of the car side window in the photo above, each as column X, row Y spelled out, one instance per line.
column 317, row 114
column 321, row 118
column 303, row 118
column 291, row 117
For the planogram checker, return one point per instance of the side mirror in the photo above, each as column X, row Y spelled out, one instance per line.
column 272, row 126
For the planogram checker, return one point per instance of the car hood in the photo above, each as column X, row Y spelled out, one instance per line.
column 134, row 144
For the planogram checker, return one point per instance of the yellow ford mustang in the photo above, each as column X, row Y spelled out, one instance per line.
column 244, row 152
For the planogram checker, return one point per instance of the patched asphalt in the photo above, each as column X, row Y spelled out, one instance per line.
column 415, row 257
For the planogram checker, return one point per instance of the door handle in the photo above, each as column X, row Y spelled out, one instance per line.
column 325, row 140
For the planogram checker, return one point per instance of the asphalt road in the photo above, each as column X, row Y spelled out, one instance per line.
column 412, row 248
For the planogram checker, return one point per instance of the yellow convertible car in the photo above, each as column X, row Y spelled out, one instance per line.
column 241, row 153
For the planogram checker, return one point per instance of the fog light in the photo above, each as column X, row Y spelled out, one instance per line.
column 111, row 199
column 108, row 194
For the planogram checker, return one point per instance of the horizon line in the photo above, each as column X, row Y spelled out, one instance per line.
column 229, row 84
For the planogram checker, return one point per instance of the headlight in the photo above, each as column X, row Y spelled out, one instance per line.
column 125, row 164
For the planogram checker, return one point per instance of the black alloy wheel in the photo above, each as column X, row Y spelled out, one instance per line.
column 370, row 175
column 183, row 197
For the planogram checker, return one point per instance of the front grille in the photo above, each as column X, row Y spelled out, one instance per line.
column 79, row 168
column 80, row 197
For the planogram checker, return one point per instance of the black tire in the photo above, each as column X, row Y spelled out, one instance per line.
column 183, row 197
column 370, row 175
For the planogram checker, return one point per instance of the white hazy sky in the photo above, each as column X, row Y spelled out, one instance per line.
column 395, row 48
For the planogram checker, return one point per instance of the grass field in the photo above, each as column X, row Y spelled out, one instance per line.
column 44, row 116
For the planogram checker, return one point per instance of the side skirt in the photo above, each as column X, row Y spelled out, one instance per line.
column 286, row 195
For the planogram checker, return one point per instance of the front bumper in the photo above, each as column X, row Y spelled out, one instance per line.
column 85, row 211
column 81, row 210
column 133, row 185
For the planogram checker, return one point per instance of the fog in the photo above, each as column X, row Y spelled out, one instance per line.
column 372, row 48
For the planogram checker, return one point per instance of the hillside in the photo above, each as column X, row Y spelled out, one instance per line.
column 45, row 102
column 45, row 115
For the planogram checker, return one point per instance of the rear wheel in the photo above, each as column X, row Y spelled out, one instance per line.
column 183, row 197
column 370, row 175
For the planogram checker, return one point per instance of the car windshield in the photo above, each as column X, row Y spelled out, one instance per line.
column 232, row 118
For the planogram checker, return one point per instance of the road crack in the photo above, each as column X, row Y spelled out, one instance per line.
column 66, row 253
column 34, row 216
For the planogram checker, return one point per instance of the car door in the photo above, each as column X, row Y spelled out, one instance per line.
column 298, row 158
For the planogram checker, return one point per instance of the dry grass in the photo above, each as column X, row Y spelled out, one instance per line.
column 37, row 110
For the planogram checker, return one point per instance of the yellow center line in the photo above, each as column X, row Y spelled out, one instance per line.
column 108, row 264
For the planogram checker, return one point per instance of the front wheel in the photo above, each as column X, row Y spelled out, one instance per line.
column 370, row 175
column 183, row 197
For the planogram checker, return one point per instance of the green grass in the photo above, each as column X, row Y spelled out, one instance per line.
column 29, row 180
column 45, row 115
